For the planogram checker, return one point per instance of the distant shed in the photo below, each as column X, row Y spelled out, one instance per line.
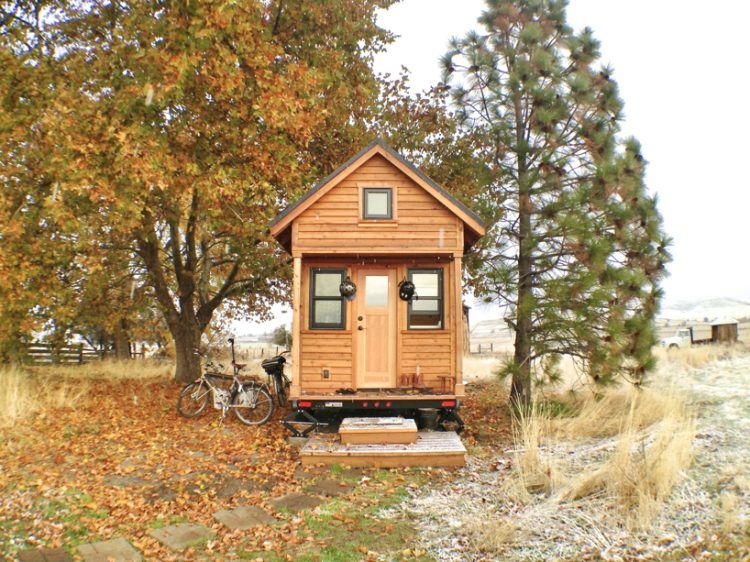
column 724, row 330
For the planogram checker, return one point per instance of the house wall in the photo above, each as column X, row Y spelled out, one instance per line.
column 333, row 224
column 435, row 351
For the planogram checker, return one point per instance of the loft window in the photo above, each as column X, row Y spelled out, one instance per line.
column 426, row 310
column 377, row 203
column 327, row 306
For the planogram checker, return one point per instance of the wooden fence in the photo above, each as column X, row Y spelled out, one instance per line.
column 483, row 348
column 40, row 353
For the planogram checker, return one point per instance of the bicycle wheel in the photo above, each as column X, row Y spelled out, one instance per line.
column 282, row 389
column 253, row 405
column 193, row 399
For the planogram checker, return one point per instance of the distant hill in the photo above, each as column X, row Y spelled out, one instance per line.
column 706, row 308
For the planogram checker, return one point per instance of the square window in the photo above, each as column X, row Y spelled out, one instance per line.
column 378, row 203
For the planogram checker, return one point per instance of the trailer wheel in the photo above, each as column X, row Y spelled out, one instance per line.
column 449, row 420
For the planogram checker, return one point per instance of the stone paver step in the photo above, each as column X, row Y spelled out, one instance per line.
column 44, row 555
column 295, row 502
column 114, row 550
column 329, row 488
column 181, row 536
column 243, row 517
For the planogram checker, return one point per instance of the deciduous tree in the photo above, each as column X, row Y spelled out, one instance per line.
column 174, row 131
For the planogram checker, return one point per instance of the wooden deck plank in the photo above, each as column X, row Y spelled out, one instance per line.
column 439, row 448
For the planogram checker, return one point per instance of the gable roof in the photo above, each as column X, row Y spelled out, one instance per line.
column 284, row 219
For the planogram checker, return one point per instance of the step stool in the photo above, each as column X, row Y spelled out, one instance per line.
column 378, row 431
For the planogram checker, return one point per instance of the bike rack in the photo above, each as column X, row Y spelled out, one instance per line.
column 307, row 419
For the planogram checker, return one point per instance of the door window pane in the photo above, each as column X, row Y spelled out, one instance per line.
column 376, row 290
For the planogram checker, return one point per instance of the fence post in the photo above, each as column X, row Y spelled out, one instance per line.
column 80, row 354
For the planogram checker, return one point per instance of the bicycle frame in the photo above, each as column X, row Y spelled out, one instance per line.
column 225, row 401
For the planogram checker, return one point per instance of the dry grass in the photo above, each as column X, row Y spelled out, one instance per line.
column 481, row 367
column 23, row 395
column 698, row 356
column 613, row 411
column 729, row 512
column 636, row 445
column 493, row 534
column 645, row 466
column 534, row 470
column 39, row 390
column 109, row 370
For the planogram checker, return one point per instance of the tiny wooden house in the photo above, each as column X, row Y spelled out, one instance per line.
column 377, row 222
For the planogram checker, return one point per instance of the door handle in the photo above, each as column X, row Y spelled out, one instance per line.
column 360, row 318
column 360, row 328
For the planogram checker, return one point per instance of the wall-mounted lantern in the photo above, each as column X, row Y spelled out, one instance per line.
column 348, row 289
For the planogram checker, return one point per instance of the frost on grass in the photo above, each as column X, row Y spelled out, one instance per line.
column 661, row 477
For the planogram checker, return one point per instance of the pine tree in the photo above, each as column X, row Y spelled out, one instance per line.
column 576, row 248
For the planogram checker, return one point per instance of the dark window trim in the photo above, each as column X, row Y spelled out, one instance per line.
column 311, row 320
column 388, row 191
column 440, row 298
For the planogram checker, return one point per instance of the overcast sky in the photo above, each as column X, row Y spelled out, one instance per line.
column 682, row 69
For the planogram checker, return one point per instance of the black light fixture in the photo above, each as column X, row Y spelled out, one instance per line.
column 348, row 289
column 406, row 290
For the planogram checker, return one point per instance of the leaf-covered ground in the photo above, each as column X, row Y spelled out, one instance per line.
column 124, row 463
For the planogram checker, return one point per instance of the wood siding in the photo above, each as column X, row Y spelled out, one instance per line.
column 334, row 224
column 433, row 350
column 330, row 350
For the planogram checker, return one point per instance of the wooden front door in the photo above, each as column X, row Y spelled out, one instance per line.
column 374, row 327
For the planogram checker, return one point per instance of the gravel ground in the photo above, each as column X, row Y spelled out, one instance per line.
column 712, row 497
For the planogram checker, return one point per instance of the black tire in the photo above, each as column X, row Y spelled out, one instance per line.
column 673, row 346
column 253, row 405
column 282, row 389
column 193, row 399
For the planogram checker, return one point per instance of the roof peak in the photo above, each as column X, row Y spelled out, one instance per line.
column 469, row 217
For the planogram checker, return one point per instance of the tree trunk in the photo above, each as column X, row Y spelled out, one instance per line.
column 520, row 390
column 121, row 340
column 187, row 336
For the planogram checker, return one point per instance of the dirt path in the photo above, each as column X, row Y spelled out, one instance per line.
column 711, row 502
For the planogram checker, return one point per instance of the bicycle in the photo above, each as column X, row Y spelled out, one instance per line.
column 274, row 368
column 250, row 400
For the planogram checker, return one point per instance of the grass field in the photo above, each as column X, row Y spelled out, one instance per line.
column 99, row 452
